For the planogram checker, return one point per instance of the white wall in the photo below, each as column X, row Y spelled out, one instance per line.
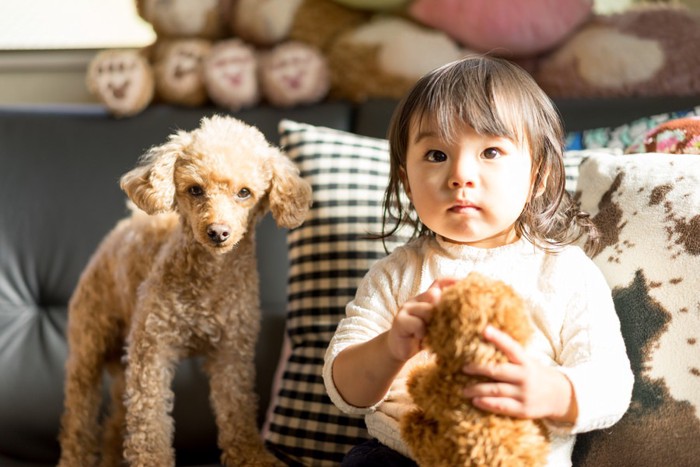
column 54, row 77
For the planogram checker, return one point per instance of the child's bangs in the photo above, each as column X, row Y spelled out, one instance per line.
column 467, row 100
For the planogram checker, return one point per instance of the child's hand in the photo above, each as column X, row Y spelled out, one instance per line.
column 408, row 329
column 522, row 388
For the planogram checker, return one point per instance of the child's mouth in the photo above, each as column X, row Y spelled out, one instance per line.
column 464, row 208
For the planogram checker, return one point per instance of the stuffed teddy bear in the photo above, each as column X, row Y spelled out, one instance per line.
column 445, row 429
column 122, row 80
column 177, row 66
column 314, row 22
column 393, row 51
column 509, row 28
column 195, row 60
column 294, row 73
column 231, row 74
column 204, row 19
column 647, row 50
column 369, row 55
column 127, row 81
column 170, row 70
column 238, row 76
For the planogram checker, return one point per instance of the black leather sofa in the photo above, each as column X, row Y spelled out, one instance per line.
column 59, row 194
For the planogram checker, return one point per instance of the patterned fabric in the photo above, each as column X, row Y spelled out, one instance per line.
column 647, row 207
column 329, row 255
column 622, row 136
column 679, row 136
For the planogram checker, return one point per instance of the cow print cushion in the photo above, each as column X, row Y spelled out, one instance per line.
column 647, row 207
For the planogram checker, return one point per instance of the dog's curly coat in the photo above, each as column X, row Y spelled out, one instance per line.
column 178, row 280
column 445, row 429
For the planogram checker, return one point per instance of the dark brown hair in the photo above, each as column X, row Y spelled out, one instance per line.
column 495, row 97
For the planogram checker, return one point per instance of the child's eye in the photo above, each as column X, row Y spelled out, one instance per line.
column 492, row 153
column 435, row 156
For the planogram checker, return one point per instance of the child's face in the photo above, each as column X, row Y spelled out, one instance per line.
column 471, row 191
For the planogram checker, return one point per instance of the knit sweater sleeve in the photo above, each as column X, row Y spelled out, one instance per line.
column 377, row 300
column 593, row 354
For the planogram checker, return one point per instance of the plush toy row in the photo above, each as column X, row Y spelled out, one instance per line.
column 236, row 53
column 189, row 72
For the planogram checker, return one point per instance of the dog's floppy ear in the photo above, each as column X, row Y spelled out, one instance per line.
column 290, row 195
column 150, row 185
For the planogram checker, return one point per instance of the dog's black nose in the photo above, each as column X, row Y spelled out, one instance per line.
column 219, row 233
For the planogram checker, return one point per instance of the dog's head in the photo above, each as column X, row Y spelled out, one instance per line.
column 220, row 178
column 456, row 328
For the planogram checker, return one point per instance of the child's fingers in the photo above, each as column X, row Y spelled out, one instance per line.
column 421, row 310
column 434, row 292
column 431, row 296
column 492, row 390
column 410, row 326
column 500, row 405
column 506, row 344
column 505, row 372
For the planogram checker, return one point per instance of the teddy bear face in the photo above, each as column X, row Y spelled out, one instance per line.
column 231, row 74
column 294, row 73
column 122, row 80
column 466, row 308
column 179, row 71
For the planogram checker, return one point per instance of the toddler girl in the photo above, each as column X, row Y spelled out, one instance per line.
column 477, row 148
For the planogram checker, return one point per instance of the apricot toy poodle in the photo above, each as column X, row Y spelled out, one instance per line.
column 176, row 279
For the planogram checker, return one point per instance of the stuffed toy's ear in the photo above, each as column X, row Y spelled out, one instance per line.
column 150, row 185
column 290, row 195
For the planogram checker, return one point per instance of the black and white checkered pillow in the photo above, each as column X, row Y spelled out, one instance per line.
column 329, row 254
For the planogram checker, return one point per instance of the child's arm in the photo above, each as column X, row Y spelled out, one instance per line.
column 363, row 373
column 523, row 388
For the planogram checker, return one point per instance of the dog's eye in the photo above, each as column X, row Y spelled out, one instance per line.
column 243, row 194
column 196, row 190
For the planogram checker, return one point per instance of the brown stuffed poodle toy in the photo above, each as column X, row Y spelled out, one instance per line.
column 445, row 429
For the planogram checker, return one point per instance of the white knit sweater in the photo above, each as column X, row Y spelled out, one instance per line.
column 577, row 329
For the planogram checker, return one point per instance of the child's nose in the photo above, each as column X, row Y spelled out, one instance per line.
column 463, row 175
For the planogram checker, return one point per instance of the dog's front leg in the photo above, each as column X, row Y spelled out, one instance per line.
column 232, row 380
column 150, row 367
column 113, row 436
column 80, row 429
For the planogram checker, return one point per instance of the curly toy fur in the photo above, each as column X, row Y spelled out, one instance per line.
column 445, row 429
column 181, row 281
